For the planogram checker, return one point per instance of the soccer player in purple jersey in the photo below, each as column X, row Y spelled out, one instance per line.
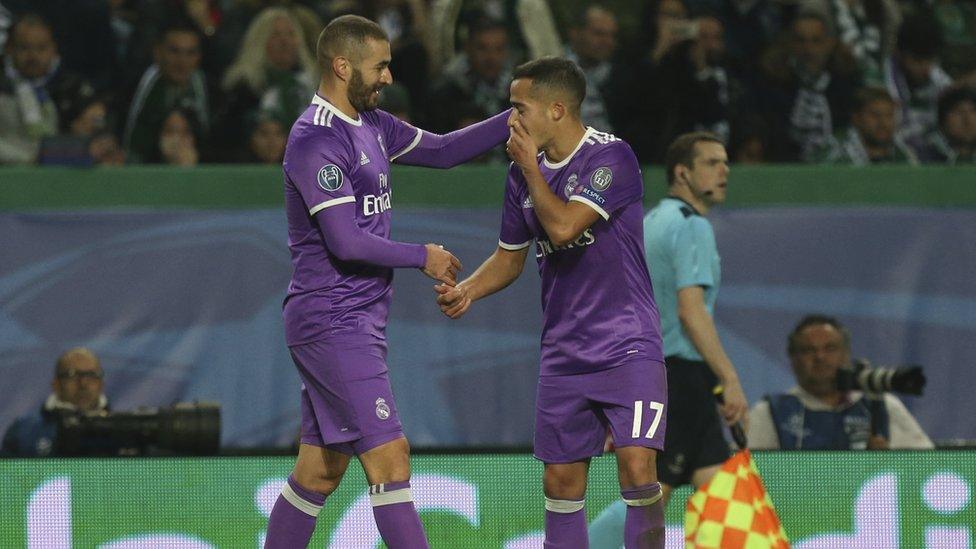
column 338, row 201
column 602, row 366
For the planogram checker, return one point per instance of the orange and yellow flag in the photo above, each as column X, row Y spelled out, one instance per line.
column 733, row 511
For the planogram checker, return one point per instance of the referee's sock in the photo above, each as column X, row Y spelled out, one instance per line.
column 396, row 517
column 565, row 524
column 292, row 520
column 644, row 525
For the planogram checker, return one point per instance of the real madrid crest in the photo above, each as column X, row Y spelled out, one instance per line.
column 382, row 409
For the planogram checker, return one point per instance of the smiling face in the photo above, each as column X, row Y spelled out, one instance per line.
column 370, row 75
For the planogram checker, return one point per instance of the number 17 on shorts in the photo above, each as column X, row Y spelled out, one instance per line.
column 652, row 421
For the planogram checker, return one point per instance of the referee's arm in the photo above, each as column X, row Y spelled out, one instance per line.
column 698, row 325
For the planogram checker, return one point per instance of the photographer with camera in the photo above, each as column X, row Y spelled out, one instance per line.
column 837, row 405
column 76, row 387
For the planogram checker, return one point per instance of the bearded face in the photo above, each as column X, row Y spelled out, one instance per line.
column 364, row 96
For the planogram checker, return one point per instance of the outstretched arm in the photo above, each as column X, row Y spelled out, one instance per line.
column 497, row 272
column 346, row 241
column 448, row 150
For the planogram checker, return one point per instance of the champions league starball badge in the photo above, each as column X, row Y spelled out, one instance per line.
column 601, row 179
column 382, row 410
column 330, row 178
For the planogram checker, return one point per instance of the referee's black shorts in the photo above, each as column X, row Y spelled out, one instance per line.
column 694, row 438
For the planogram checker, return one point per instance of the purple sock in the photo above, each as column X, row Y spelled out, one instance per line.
column 644, row 525
column 293, row 517
column 565, row 525
column 396, row 517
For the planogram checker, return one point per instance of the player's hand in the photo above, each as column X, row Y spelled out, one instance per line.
column 735, row 408
column 454, row 301
column 520, row 147
column 442, row 265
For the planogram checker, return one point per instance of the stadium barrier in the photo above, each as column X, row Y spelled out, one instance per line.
column 865, row 499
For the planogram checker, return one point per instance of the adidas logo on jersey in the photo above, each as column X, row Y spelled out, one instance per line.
column 363, row 159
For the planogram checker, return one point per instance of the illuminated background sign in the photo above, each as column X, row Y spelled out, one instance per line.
column 825, row 500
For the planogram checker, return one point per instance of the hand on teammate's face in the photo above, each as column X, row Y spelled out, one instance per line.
column 454, row 301
column 442, row 265
column 520, row 147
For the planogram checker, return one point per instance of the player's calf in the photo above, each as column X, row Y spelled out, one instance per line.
column 565, row 489
column 644, row 525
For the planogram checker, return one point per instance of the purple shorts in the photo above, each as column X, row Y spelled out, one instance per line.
column 347, row 401
column 573, row 412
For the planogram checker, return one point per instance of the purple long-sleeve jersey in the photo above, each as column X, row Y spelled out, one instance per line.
column 338, row 204
column 598, row 305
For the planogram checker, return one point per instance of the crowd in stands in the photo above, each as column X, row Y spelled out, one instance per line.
column 182, row 82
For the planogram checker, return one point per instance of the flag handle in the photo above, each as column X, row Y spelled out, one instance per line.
column 738, row 434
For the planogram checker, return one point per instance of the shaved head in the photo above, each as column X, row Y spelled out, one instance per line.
column 347, row 36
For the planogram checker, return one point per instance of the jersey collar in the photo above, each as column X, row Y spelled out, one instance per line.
column 586, row 135
column 323, row 102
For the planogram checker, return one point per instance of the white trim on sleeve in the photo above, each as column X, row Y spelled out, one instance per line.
column 513, row 247
column 603, row 213
column 329, row 203
column 410, row 147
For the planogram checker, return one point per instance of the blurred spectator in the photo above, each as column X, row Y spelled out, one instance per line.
column 867, row 27
column 239, row 14
column 871, row 139
column 749, row 140
column 593, row 41
column 173, row 81
column 530, row 25
column 668, row 26
column 178, row 138
column 6, row 20
column 954, row 141
column 395, row 99
column 694, row 88
column 808, row 86
column 958, row 23
column 31, row 85
column 82, row 27
column 479, row 77
column 273, row 71
column 267, row 141
column 77, row 386
column 816, row 414
column 913, row 75
column 84, row 113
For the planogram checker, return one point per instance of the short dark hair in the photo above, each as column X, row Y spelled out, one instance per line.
column 869, row 94
column 816, row 320
column 682, row 150
column 583, row 14
column 483, row 24
column 30, row 19
column 556, row 73
column 816, row 15
column 346, row 36
column 920, row 35
column 952, row 97
column 179, row 24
